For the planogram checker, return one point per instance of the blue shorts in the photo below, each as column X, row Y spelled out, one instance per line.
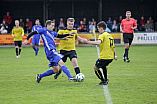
column 36, row 41
column 54, row 57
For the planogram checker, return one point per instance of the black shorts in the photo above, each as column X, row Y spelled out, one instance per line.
column 128, row 37
column 101, row 63
column 70, row 54
column 18, row 43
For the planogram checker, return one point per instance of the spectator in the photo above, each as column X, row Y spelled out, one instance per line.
column 115, row 26
column 61, row 24
column 4, row 24
column 115, row 29
column 89, row 23
column 82, row 27
column 148, row 26
column 109, row 23
column 28, row 26
column 107, row 29
column 55, row 29
column 91, row 27
column 138, row 26
column 22, row 23
column 8, row 20
column 151, row 21
column 94, row 22
column 3, row 30
column 84, row 21
column 142, row 24
column 119, row 20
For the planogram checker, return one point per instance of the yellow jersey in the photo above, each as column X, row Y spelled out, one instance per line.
column 67, row 45
column 17, row 32
column 106, row 46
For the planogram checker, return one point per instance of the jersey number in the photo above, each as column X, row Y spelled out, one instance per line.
column 111, row 42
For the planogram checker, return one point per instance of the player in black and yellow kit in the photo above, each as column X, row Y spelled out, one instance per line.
column 17, row 33
column 67, row 45
column 107, row 52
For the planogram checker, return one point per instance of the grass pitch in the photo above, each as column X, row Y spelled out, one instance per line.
column 130, row 83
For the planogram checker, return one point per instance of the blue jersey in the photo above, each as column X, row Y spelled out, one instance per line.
column 34, row 28
column 48, row 38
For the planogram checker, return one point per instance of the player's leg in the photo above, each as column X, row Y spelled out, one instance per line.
column 126, row 42
column 33, row 44
column 75, row 65
column 20, row 47
column 16, row 48
column 37, row 46
column 64, row 59
column 47, row 73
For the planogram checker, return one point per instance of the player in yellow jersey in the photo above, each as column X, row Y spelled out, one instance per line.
column 67, row 45
column 107, row 52
column 17, row 33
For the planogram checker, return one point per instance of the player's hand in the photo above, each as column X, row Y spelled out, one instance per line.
column 72, row 33
column 132, row 28
column 121, row 30
column 25, row 42
column 115, row 57
column 84, row 40
column 65, row 38
column 14, row 36
column 21, row 36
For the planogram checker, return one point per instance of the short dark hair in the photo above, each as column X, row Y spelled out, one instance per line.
column 102, row 24
column 48, row 22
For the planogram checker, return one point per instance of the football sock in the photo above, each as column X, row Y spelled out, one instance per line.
column 126, row 53
column 34, row 48
column 47, row 73
column 77, row 70
column 37, row 49
column 105, row 72
column 19, row 51
column 66, row 71
column 99, row 75
column 16, row 51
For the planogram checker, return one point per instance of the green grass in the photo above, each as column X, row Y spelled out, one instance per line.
column 130, row 83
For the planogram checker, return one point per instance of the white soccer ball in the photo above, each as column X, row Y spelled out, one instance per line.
column 80, row 77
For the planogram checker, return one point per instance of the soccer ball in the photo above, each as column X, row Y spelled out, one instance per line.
column 80, row 77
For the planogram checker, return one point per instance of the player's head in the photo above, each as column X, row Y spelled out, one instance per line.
column 128, row 14
column 16, row 22
column 50, row 25
column 70, row 23
column 101, row 26
column 37, row 22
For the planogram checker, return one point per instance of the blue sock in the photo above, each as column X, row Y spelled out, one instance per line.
column 47, row 73
column 126, row 53
column 37, row 49
column 66, row 71
column 34, row 48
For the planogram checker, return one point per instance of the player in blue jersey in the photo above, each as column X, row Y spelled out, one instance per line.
column 36, row 37
column 55, row 59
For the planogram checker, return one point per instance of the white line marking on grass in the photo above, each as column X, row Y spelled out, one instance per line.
column 107, row 94
column 105, row 87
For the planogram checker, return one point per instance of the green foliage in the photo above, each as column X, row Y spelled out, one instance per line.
column 130, row 83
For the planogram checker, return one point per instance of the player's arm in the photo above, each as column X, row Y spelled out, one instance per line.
column 82, row 40
column 22, row 33
column 94, row 42
column 64, row 35
column 115, row 57
column 13, row 33
column 121, row 28
column 30, row 34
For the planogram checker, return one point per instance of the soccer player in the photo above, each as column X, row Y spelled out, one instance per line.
column 36, row 37
column 67, row 46
column 127, row 27
column 17, row 33
column 107, row 52
column 52, row 55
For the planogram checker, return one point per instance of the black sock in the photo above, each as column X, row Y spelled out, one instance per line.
column 19, row 51
column 105, row 73
column 99, row 75
column 126, row 53
column 77, row 70
column 16, row 51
